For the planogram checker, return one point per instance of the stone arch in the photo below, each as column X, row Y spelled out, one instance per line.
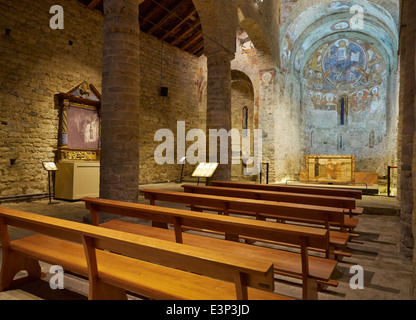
column 242, row 104
column 244, row 80
column 218, row 19
column 248, row 69
column 256, row 35
column 260, row 42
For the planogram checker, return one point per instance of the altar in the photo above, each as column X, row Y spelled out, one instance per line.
column 336, row 171
column 330, row 168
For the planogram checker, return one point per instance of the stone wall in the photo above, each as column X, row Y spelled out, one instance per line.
column 273, row 99
column 366, row 139
column 245, row 93
column 242, row 114
column 38, row 62
column 165, row 66
column 287, row 128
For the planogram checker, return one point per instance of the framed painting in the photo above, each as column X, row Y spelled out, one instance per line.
column 79, row 129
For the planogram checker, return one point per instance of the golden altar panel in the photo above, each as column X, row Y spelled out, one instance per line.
column 330, row 168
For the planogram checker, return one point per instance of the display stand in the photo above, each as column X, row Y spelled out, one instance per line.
column 182, row 162
column 267, row 172
column 79, row 143
column 50, row 166
column 389, row 179
column 205, row 170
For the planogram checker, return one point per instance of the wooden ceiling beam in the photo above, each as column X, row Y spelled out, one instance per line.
column 186, row 33
column 197, row 48
column 178, row 25
column 149, row 14
column 192, row 42
column 171, row 13
column 93, row 4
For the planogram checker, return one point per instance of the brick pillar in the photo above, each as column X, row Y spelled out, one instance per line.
column 407, row 124
column 120, row 101
column 407, row 127
column 219, row 106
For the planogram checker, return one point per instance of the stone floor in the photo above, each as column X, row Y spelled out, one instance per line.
column 386, row 275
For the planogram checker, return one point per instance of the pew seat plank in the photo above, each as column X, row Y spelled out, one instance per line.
column 148, row 279
column 283, row 261
column 116, row 262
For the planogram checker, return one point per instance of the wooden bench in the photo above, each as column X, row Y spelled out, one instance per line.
column 323, row 216
column 310, row 269
column 330, row 201
column 116, row 262
column 334, row 192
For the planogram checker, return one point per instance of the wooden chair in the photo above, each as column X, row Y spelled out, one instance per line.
column 116, row 262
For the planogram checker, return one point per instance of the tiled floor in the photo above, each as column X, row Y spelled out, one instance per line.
column 386, row 275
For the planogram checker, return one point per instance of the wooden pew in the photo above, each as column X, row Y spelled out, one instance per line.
column 323, row 216
column 332, row 192
column 335, row 192
column 116, row 262
column 330, row 201
column 312, row 270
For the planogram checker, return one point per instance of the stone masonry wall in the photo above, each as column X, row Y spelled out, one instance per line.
column 363, row 136
column 38, row 62
column 177, row 71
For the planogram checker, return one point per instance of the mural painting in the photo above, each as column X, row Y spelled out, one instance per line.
column 245, row 46
column 201, row 83
column 345, row 66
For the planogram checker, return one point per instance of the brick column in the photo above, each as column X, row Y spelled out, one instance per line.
column 219, row 106
column 120, row 101
column 407, row 125
column 407, row 133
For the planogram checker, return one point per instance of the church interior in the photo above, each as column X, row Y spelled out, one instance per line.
column 132, row 101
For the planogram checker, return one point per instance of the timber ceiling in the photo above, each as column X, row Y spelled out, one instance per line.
column 173, row 21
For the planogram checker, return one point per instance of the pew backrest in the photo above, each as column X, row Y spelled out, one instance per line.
column 279, row 210
column 243, row 272
column 301, row 236
column 291, row 197
column 310, row 237
column 337, row 192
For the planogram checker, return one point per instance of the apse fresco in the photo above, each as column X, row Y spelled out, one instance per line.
column 349, row 67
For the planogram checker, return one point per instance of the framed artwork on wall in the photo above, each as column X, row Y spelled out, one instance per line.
column 79, row 128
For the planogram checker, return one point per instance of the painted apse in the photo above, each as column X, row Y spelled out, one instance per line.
column 346, row 64
column 349, row 68
column 344, row 101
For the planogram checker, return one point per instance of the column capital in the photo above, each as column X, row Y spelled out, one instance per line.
column 219, row 55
